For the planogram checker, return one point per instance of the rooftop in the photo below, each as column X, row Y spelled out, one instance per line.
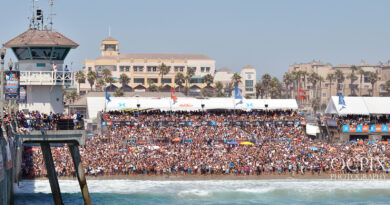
column 158, row 56
column 33, row 37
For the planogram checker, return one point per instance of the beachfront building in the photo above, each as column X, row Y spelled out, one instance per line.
column 248, row 79
column 143, row 69
column 362, row 84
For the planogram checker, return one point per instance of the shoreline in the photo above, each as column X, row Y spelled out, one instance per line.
column 370, row 176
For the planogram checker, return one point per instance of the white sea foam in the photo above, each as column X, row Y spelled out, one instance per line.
column 203, row 187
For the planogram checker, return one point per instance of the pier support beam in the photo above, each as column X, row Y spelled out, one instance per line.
column 74, row 151
column 51, row 173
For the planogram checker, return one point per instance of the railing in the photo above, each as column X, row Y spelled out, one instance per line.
column 46, row 78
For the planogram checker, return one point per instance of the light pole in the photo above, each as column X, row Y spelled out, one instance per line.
column 10, row 65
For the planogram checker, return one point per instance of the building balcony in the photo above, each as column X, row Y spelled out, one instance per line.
column 46, row 78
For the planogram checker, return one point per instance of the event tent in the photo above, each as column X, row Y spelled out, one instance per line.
column 96, row 104
column 359, row 106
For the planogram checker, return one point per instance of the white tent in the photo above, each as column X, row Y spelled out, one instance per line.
column 96, row 104
column 359, row 106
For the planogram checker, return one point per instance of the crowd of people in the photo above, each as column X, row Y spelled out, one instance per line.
column 359, row 119
column 210, row 143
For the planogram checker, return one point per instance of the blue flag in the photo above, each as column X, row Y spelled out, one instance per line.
column 237, row 93
column 341, row 99
column 108, row 96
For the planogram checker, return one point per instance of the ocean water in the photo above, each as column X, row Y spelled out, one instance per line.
column 287, row 191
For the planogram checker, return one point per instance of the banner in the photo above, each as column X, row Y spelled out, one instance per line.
column 12, row 81
column 345, row 128
column 365, row 128
column 23, row 94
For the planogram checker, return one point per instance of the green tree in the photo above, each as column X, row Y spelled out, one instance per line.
column 304, row 74
column 208, row 79
column 190, row 73
column 163, row 70
column 361, row 73
column 101, row 83
column 315, row 104
column 352, row 77
column 106, row 73
column 288, row 82
column 266, row 80
column 313, row 79
column 206, row 93
column 118, row 93
column 387, row 87
column 340, row 79
column 330, row 77
column 80, row 77
column 110, row 80
column 219, row 86
column 124, row 79
column 236, row 79
column 179, row 79
column 373, row 78
column 260, row 91
column 276, row 88
column 229, row 89
column 91, row 77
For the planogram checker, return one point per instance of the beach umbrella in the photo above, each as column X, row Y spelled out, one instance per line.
column 247, row 143
column 233, row 143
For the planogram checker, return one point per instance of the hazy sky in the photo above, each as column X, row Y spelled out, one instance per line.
column 270, row 35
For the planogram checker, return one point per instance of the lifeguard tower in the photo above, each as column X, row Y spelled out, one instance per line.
column 41, row 53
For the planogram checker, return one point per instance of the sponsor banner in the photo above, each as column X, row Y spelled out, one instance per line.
column 378, row 128
column 11, row 91
column 372, row 128
column 359, row 128
column 345, row 128
column 104, row 123
column 385, row 128
column 23, row 94
column 352, row 128
column 365, row 128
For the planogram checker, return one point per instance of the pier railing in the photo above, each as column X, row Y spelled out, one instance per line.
column 46, row 78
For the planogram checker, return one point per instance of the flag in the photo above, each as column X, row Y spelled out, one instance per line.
column 173, row 96
column 301, row 94
column 238, row 95
column 341, row 99
column 108, row 96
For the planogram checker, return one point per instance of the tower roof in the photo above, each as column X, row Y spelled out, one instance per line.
column 33, row 37
column 110, row 39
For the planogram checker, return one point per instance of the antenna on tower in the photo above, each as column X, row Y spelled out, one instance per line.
column 32, row 21
column 51, row 3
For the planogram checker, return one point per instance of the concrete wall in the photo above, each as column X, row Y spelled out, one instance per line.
column 46, row 99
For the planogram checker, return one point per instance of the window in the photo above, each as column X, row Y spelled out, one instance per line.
column 152, row 80
column 121, row 68
column 324, row 95
column 166, row 80
column 249, row 83
column 139, row 80
column 89, row 68
column 109, row 47
column 366, row 74
column 60, row 53
column 202, row 69
column 366, row 86
column 127, row 68
column 22, row 53
column 249, row 89
column 207, row 69
column 382, row 87
column 138, row 68
column 154, row 68
column 179, row 68
column 41, row 53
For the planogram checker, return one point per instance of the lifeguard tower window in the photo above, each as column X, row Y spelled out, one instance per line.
column 22, row 53
column 110, row 47
column 60, row 53
column 41, row 53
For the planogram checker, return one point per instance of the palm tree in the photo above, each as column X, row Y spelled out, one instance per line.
column 313, row 78
column 179, row 79
column 320, row 79
column 288, row 80
column 259, row 89
column 110, row 80
column 296, row 76
column 124, row 79
column 118, row 93
column 330, row 77
column 276, row 88
column 208, row 79
column 315, row 104
column 219, row 86
column 352, row 77
column 190, row 73
column 353, row 68
column 101, row 83
column 80, row 77
column 373, row 78
column 361, row 73
column 163, row 70
column 236, row 79
column 340, row 78
column 304, row 74
column 229, row 89
column 106, row 73
column 91, row 77
column 266, row 80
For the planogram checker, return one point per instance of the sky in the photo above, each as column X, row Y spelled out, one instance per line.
column 269, row 35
